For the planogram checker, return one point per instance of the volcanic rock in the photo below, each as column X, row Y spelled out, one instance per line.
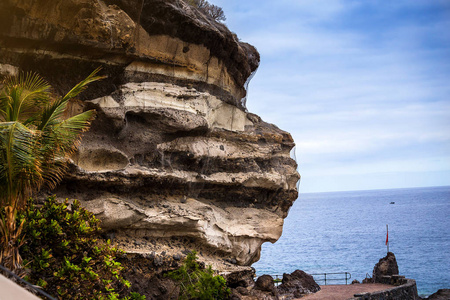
column 243, row 278
column 368, row 280
column 386, row 266
column 297, row 284
column 442, row 294
column 265, row 283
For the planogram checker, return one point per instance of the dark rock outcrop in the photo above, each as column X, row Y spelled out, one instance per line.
column 297, row 284
column 367, row 280
column 241, row 279
column 145, row 273
column 386, row 266
column 442, row 294
column 386, row 272
column 265, row 283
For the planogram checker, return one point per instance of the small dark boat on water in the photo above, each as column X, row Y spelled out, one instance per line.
column 392, row 202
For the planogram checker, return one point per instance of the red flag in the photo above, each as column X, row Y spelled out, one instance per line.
column 387, row 235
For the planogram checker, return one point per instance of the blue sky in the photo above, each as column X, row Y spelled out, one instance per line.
column 363, row 86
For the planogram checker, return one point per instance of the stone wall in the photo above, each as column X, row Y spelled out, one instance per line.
column 407, row 290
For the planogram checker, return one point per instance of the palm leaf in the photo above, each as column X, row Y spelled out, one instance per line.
column 53, row 172
column 83, row 85
column 64, row 135
column 55, row 111
column 19, row 163
column 59, row 141
column 52, row 113
column 21, row 95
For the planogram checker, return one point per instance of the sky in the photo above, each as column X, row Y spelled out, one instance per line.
column 363, row 86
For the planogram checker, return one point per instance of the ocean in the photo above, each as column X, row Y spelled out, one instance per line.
column 346, row 232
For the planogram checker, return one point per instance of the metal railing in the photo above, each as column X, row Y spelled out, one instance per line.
column 332, row 277
column 27, row 284
column 325, row 277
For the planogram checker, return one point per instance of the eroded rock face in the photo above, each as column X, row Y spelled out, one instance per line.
column 173, row 155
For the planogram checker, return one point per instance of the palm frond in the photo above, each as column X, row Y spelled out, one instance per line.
column 55, row 111
column 83, row 85
column 52, row 113
column 19, row 163
column 58, row 142
column 64, row 135
column 21, row 95
column 4, row 104
column 53, row 172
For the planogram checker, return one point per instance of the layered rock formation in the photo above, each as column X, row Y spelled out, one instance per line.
column 173, row 160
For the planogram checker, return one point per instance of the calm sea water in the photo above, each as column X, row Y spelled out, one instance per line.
column 346, row 231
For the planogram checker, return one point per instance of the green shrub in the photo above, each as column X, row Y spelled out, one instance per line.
column 196, row 283
column 64, row 256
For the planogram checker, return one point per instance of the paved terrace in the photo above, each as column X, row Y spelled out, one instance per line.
column 12, row 291
column 344, row 292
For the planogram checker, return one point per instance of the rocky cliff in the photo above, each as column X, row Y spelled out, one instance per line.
column 173, row 160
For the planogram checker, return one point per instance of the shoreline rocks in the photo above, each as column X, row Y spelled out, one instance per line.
column 441, row 294
column 297, row 284
column 294, row 285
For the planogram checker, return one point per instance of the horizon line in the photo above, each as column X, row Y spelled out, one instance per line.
column 374, row 189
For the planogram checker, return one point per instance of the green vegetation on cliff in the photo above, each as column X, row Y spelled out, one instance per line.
column 54, row 245
column 197, row 283
column 58, row 249
column 64, row 257
column 35, row 142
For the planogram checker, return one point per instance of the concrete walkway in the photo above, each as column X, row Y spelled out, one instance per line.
column 344, row 292
column 12, row 291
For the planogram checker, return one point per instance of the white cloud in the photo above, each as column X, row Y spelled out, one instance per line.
column 362, row 86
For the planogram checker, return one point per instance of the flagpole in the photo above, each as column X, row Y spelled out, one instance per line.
column 387, row 237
